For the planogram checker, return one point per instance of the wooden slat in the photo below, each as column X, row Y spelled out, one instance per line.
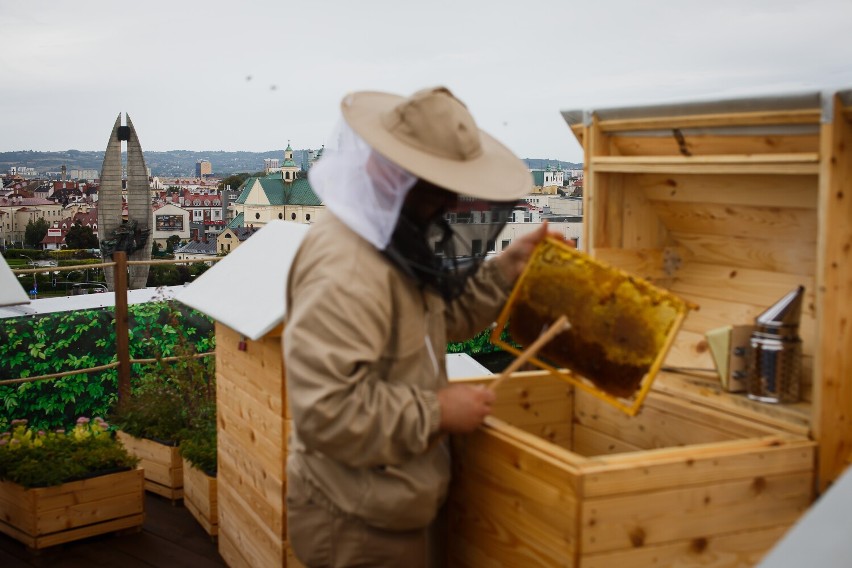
column 690, row 349
column 200, row 497
column 508, row 501
column 717, row 159
column 636, row 520
column 649, row 264
column 245, row 532
column 721, row 550
column 793, row 226
column 703, row 144
column 541, row 405
column 699, row 464
column 651, row 428
column 750, row 286
column 833, row 368
column 793, row 418
column 756, row 191
column 642, row 227
column 589, row 442
column 162, row 464
column 757, row 118
column 788, row 255
column 804, row 169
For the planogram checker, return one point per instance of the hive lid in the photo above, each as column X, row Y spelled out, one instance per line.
column 621, row 326
column 245, row 290
column 11, row 291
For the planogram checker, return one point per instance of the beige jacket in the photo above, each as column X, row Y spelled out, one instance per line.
column 364, row 354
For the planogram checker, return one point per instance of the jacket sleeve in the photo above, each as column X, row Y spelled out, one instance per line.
column 479, row 305
column 341, row 404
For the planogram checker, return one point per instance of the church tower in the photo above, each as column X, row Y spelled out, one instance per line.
column 289, row 167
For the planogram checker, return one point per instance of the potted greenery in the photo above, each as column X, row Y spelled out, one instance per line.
column 165, row 404
column 199, row 453
column 60, row 486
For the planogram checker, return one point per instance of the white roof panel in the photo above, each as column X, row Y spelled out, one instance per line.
column 463, row 366
column 11, row 291
column 245, row 290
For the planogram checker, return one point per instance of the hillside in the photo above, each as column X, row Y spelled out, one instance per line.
column 181, row 162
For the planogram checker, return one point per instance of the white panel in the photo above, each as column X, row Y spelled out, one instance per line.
column 11, row 291
column 462, row 366
column 245, row 290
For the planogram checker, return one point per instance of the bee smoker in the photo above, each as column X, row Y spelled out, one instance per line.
column 775, row 355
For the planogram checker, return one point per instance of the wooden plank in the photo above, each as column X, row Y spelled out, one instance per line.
column 690, row 350
column 246, row 532
column 721, row 550
column 261, row 492
column 71, row 511
column 833, row 365
column 704, row 144
column 589, row 442
column 792, row 418
column 756, row 191
column 162, row 464
column 541, row 405
column 200, row 497
column 756, row 118
column 794, row 226
column 642, row 227
column 649, row 264
column 509, row 501
column 760, row 253
column 636, row 520
column 231, row 553
column 698, row 464
column 803, row 169
column 266, row 452
column 258, row 370
column 715, row 159
column 750, row 286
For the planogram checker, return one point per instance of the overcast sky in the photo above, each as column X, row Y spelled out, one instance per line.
column 253, row 74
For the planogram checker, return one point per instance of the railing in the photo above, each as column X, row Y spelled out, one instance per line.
column 123, row 363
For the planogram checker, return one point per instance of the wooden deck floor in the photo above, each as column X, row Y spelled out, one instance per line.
column 171, row 538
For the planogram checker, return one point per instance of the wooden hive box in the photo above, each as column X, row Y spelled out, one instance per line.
column 252, row 414
column 730, row 205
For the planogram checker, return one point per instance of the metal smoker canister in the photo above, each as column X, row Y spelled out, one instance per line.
column 775, row 354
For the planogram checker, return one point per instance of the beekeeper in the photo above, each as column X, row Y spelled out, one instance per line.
column 379, row 286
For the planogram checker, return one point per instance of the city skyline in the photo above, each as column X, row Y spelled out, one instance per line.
column 219, row 76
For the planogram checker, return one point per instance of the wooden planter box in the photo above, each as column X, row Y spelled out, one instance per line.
column 162, row 464
column 200, row 496
column 48, row 516
column 560, row 478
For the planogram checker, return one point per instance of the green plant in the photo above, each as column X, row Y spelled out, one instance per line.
column 38, row 458
column 199, row 444
column 62, row 341
column 172, row 396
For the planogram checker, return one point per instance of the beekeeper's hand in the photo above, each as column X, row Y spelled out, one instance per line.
column 514, row 258
column 464, row 407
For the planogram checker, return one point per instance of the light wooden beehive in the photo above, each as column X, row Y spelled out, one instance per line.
column 729, row 205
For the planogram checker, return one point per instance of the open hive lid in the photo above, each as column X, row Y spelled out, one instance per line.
column 245, row 290
column 621, row 326
column 11, row 291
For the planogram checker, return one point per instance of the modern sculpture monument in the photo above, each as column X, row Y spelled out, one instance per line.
column 132, row 235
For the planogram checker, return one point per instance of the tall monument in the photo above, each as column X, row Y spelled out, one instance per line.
column 132, row 235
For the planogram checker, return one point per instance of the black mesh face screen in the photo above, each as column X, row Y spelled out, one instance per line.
column 449, row 249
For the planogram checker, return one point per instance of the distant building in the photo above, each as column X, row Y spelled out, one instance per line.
column 550, row 177
column 19, row 210
column 270, row 165
column 203, row 168
column 282, row 194
column 231, row 238
column 170, row 220
column 196, row 249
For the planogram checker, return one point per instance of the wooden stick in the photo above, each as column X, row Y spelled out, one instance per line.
column 558, row 326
